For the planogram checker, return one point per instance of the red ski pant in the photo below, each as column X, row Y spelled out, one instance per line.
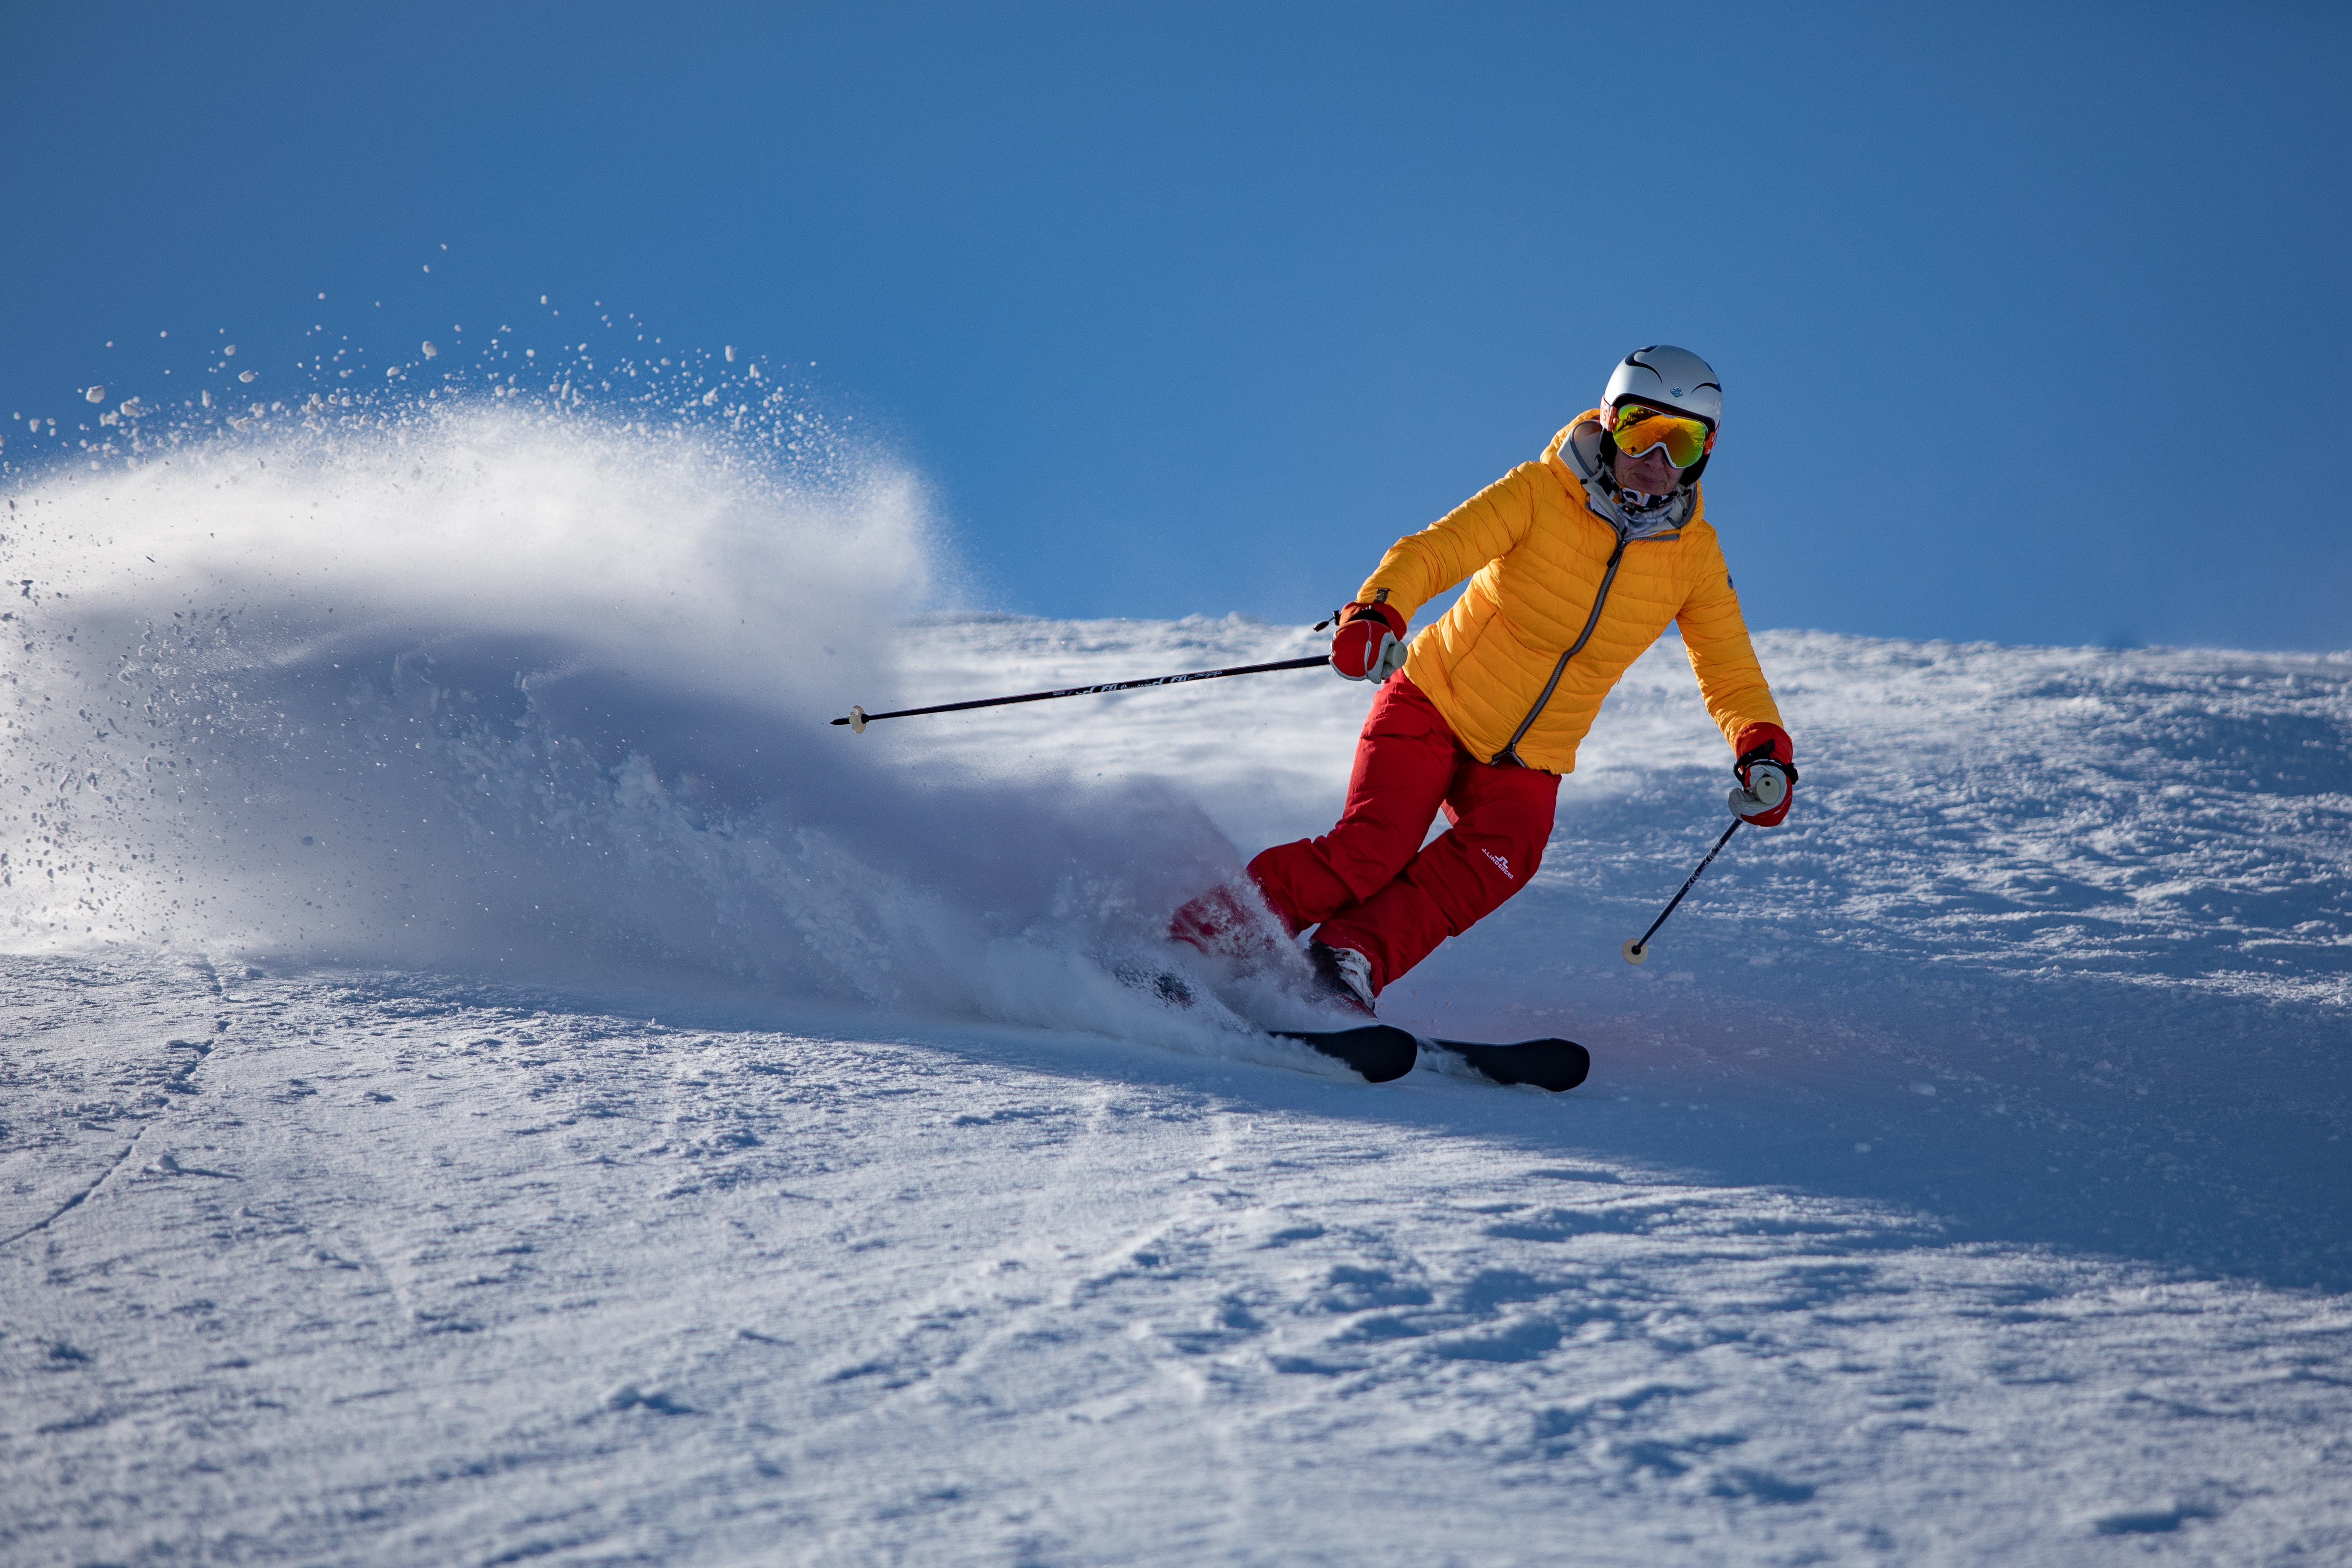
column 1369, row 883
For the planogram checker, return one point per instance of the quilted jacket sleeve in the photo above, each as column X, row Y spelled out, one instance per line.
column 1419, row 566
column 1731, row 682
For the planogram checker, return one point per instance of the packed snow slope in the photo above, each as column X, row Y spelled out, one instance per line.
column 492, row 1075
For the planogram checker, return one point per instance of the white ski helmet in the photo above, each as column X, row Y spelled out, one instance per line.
column 1668, row 378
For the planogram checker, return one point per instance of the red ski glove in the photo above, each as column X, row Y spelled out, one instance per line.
column 1370, row 643
column 1767, row 771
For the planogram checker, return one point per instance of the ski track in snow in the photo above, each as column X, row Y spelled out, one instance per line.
column 1963, row 1181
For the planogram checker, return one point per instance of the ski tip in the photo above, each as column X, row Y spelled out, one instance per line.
column 1381, row 1053
column 1553, row 1065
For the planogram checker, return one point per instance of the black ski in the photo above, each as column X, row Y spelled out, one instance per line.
column 1556, row 1065
column 1382, row 1053
column 1376, row 1050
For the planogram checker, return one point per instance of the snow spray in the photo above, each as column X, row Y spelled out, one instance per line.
column 518, row 687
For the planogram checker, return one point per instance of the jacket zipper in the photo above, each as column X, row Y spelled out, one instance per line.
column 1509, row 754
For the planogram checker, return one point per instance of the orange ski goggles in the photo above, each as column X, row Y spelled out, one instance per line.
column 1637, row 429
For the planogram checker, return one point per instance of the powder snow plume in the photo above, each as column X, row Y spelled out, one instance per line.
column 533, row 691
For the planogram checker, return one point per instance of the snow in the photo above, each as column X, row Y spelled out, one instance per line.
column 490, row 1075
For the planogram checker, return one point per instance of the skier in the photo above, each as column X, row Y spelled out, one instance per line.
column 1577, row 563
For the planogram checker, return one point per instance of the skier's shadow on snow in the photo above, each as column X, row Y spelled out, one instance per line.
column 2187, row 1130
column 2195, row 1134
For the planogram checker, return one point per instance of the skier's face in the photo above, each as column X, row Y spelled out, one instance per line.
column 1650, row 473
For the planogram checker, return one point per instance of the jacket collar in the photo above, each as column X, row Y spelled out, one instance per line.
column 1578, row 450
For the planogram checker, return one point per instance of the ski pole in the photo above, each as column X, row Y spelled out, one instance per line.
column 1637, row 949
column 859, row 718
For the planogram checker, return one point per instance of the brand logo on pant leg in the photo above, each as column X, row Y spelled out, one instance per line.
column 1500, row 864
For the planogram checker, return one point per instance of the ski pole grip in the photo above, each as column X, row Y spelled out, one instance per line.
column 1768, row 787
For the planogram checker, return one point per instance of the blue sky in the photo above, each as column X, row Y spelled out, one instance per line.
column 2032, row 321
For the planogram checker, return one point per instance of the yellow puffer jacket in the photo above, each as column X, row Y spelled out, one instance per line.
column 1546, row 553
